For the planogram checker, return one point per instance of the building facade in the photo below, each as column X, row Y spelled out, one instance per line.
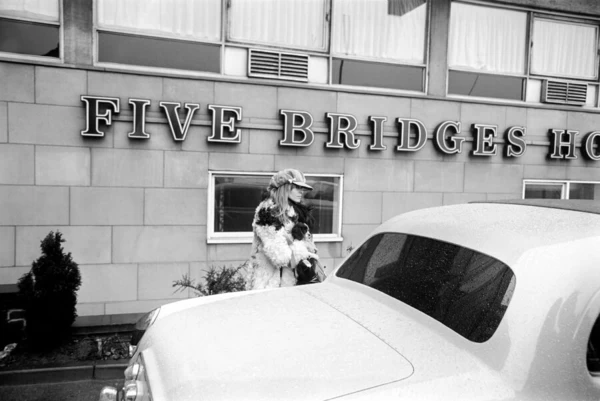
column 146, row 131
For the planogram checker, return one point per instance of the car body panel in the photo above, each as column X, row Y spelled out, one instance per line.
column 342, row 339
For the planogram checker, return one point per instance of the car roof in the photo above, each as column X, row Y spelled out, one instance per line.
column 578, row 205
column 504, row 229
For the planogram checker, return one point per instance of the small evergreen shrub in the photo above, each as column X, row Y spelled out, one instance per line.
column 49, row 294
column 217, row 281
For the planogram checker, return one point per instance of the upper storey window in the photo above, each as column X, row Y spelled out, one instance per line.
column 160, row 33
column 522, row 55
column 296, row 24
column 30, row 27
column 379, row 43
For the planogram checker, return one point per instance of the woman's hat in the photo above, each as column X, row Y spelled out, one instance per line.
column 288, row 176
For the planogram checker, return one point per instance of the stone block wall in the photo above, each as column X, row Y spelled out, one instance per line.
column 133, row 212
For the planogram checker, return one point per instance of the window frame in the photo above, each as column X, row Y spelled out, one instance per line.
column 31, row 57
column 528, row 75
column 566, row 185
column 246, row 237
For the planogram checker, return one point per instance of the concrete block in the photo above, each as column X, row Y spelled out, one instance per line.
column 225, row 254
column 16, row 82
column 108, row 283
column 363, row 106
column 50, row 125
column 28, row 205
column 175, row 207
column 318, row 149
column 583, row 173
column 362, row 207
column 89, row 309
column 514, row 195
column 155, row 280
column 378, row 175
column 538, row 155
column 438, row 176
column 126, row 86
column 354, row 235
column 62, row 166
column 11, row 275
column 397, row 203
column 160, row 136
column 267, row 142
column 428, row 152
column 474, row 113
column 540, row 122
column 115, row 308
column 127, row 168
column 307, row 164
column 433, row 112
column 186, row 169
column 7, row 247
column 88, row 245
column 59, row 86
column 515, row 116
column 541, row 172
column 190, row 91
column 257, row 101
column 315, row 102
column 152, row 244
column 197, row 140
column 16, row 164
column 493, row 178
column 583, row 122
column 107, row 206
column 241, row 162
column 3, row 122
column 456, row 198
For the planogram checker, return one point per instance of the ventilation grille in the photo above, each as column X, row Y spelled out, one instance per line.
column 278, row 65
column 564, row 92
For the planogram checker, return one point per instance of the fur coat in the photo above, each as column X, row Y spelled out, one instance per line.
column 275, row 253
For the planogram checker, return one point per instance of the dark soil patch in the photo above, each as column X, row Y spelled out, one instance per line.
column 78, row 350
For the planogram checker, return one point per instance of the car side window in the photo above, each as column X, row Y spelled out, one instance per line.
column 465, row 290
column 593, row 351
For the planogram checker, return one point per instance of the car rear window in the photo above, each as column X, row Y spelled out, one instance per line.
column 464, row 289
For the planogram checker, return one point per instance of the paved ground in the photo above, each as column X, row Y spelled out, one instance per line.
column 84, row 390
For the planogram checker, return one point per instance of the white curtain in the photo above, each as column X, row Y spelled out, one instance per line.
column 487, row 39
column 188, row 19
column 289, row 23
column 564, row 49
column 44, row 10
column 380, row 29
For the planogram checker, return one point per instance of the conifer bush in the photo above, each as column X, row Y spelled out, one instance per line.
column 217, row 281
column 49, row 294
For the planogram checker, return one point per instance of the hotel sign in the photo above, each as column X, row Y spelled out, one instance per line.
column 297, row 130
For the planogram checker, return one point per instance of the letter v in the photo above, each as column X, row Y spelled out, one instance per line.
column 177, row 130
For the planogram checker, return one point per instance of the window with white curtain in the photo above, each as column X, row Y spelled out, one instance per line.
column 564, row 49
column 379, row 43
column 487, row 51
column 300, row 24
column 30, row 27
column 179, row 34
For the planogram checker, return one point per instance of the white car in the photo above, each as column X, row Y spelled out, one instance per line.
column 480, row 301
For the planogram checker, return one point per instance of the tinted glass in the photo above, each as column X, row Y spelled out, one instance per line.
column 379, row 75
column 155, row 52
column 543, row 191
column 485, row 85
column 584, row 191
column 465, row 290
column 29, row 38
column 236, row 199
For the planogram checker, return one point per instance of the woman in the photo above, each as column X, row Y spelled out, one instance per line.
column 275, row 253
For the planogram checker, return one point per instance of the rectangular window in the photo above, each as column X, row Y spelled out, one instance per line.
column 564, row 49
column 160, row 33
column 296, row 24
column 488, row 45
column 379, row 43
column 557, row 189
column 30, row 27
column 233, row 198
